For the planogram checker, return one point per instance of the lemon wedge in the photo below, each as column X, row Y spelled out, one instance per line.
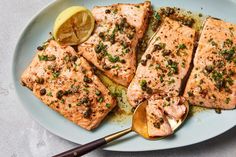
column 73, row 26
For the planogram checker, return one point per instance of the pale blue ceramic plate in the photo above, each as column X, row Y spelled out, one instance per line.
column 198, row 128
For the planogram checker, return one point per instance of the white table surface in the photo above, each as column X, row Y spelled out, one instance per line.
column 21, row 136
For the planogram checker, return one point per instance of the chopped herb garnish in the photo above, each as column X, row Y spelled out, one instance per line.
column 55, row 74
column 43, row 57
column 51, row 58
column 97, row 92
column 227, row 100
column 108, row 105
column 190, row 93
column 86, row 90
column 113, row 59
column 100, row 47
column 228, row 42
column 115, row 11
column 183, row 64
column 158, row 66
column 228, row 54
column 49, row 93
column 87, row 79
column 63, row 101
column 171, row 81
column 116, row 94
column 173, row 66
column 157, row 16
column 161, row 79
column 39, row 80
column 143, row 84
column 213, row 43
column 182, row 46
column 100, row 100
column 217, row 75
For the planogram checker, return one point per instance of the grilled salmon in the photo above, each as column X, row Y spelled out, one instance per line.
column 212, row 81
column 112, row 46
column 66, row 83
column 164, row 64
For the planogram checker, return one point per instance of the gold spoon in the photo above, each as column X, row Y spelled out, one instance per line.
column 139, row 125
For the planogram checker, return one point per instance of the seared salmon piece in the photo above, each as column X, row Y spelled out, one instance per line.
column 157, row 122
column 66, row 83
column 112, row 46
column 159, row 109
column 212, row 82
column 164, row 64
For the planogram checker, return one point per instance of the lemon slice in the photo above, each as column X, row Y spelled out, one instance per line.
column 73, row 26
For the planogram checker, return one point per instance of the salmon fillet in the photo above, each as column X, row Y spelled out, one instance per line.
column 112, row 46
column 158, row 110
column 164, row 64
column 66, row 83
column 212, row 81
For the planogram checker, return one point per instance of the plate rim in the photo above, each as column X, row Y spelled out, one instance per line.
column 54, row 131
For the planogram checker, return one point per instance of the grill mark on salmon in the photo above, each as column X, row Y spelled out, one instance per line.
column 112, row 46
column 66, row 83
column 212, row 81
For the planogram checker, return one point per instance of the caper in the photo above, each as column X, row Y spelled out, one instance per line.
column 40, row 48
column 84, row 100
column 67, row 92
column 99, row 57
column 112, row 40
column 122, row 61
column 123, row 21
column 169, row 62
column 107, row 11
column 209, row 68
column 97, row 49
column 60, row 94
column 149, row 90
column 101, row 35
column 148, row 56
column 166, row 52
column 126, row 25
column 130, row 36
column 74, row 58
column 43, row 91
column 106, row 67
column 157, row 125
column 97, row 92
column 87, row 113
column 51, row 58
column 133, row 29
column 220, row 84
column 159, row 46
column 144, row 62
column 39, row 80
column 169, row 11
column 87, row 80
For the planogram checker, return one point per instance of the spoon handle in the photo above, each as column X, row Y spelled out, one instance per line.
column 86, row 148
